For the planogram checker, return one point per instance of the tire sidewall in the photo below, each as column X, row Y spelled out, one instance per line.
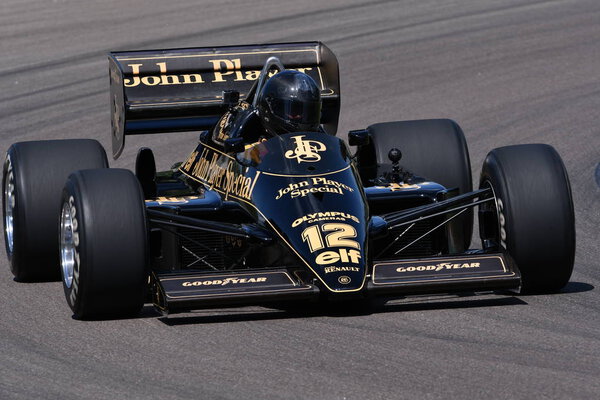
column 9, row 173
column 494, row 177
column 16, row 257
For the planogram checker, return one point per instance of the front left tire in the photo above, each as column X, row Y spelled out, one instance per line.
column 435, row 149
column 104, row 244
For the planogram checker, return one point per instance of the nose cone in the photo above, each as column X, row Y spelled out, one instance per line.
column 323, row 221
column 308, row 193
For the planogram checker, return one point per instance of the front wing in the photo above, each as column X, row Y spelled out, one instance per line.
column 184, row 291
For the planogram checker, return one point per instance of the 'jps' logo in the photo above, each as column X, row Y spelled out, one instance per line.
column 306, row 150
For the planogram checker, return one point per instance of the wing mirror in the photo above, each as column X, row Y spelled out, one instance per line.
column 230, row 98
column 358, row 138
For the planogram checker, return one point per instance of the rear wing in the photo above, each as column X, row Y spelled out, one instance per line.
column 174, row 90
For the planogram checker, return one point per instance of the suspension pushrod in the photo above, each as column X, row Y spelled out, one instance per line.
column 419, row 213
column 163, row 218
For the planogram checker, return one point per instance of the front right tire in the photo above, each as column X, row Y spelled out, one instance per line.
column 34, row 176
column 532, row 216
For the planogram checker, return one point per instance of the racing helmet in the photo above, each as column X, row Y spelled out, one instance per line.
column 290, row 101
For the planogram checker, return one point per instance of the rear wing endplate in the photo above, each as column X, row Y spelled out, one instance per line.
column 174, row 90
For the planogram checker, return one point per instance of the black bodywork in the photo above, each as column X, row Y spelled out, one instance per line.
column 248, row 218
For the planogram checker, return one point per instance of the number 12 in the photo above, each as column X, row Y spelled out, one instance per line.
column 339, row 237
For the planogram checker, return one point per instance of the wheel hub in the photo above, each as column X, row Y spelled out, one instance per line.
column 9, row 206
column 67, row 245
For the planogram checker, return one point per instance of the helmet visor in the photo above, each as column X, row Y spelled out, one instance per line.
column 295, row 112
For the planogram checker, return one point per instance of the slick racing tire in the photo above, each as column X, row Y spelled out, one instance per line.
column 103, row 243
column 533, row 216
column 33, row 178
column 434, row 149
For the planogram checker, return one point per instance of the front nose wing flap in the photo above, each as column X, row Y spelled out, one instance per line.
column 178, row 292
column 481, row 272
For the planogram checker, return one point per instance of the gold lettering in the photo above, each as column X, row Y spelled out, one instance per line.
column 238, row 70
column 169, row 80
column 135, row 68
column 327, row 257
column 221, row 67
column 163, row 67
column 218, row 74
column 190, row 161
column 136, row 79
column 216, row 171
column 192, row 78
column 252, row 75
column 151, row 80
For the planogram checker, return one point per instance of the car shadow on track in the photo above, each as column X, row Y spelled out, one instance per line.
column 576, row 287
column 571, row 287
column 352, row 309
column 348, row 309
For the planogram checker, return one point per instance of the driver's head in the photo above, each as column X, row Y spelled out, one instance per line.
column 290, row 101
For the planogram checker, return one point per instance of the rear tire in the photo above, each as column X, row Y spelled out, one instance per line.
column 104, row 243
column 33, row 179
column 535, row 221
column 434, row 149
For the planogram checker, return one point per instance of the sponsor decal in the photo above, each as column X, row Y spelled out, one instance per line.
column 11, row 183
column 305, row 150
column 338, row 255
column 224, row 282
column 223, row 70
column 224, row 124
column 329, row 270
column 220, row 172
column 344, row 280
column 398, row 186
column 173, row 200
column 460, row 268
column 438, row 267
column 337, row 242
column 501, row 221
column 191, row 286
column 313, row 185
column 325, row 216
column 164, row 79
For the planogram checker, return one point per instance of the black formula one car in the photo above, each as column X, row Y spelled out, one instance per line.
column 251, row 218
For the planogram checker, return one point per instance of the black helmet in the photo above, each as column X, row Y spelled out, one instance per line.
column 290, row 101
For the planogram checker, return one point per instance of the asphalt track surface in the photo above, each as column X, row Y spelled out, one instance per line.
column 507, row 71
